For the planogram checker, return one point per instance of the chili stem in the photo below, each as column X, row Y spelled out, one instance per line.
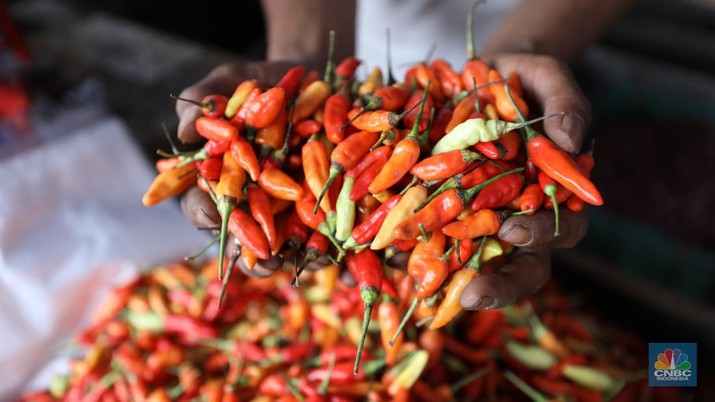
column 405, row 318
column 527, row 389
column 469, row 378
column 471, row 52
column 330, row 64
column 363, row 335
column 203, row 250
column 424, row 321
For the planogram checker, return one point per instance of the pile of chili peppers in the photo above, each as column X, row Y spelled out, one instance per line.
column 162, row 337
column 360, row 171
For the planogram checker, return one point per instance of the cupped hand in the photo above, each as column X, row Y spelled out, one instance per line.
column 197, row 205
column 548, row 85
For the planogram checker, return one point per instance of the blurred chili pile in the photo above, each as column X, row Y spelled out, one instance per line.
column 161, row 337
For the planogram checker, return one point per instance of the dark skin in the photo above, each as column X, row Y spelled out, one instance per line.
column 535, row 41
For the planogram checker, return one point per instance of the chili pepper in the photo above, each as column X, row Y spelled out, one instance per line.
column 346, row 68
column 167, row 164
column 461, row 112
column 461, row 255
column 557, row 164
column 264, row 108
column 229, row 192
column 304, row 208
column 390, row 98
column 444, row 165
column 240, row 94
column 389, row 320
column 216, row 148
column 316, row 167
column 372, row 157
column 360, row 189
column 409, row 201
column 484, row 222
column 413, row 115
column 426, row 76
column 273, row 135
column 504, row 148
column 478, row 130
column 291, row 81
column 367, row 270
column 342, row 373
column 310, row 99
column 450, row 82
column 306, row 128
column 434, row 275
column 377, row 121
column 527, row 389
column 212, row 106
column 423, row 254
column 405, row 156
column 531, row 198
column 170, row 183
column 216, row 129
column 295, row 231
column 260, row 207
column 367, row 230
column 481, row 174
column 499, row 192
column 505, row 107
column 279, row 185
column 335, row 116
column 450, row 306
column 372, row 83
column 243, row 153
column 274, row 384
column 441, row 210
column 408, row 374
column 249, row 234
column 345, row 211
column 575, row 204
column 347, row 155
column 210, row 168
column 561, row 194
column 439, row 126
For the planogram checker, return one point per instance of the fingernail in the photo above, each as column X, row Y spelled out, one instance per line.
column 518, row 235
column 483, row 303
column 572, row 125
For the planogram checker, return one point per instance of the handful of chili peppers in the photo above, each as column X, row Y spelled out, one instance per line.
column 359, row 171
column 161, row 337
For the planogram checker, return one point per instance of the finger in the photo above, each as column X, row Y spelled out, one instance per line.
column 555, row 90
column 320, row 263
column 537, row 231
column 222, row 80
column 524, row 274
column 263, row 268
column 199, row 209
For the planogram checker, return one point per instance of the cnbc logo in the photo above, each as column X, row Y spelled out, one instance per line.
column 672, row 364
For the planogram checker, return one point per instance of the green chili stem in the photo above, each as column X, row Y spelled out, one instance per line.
column 405, row 318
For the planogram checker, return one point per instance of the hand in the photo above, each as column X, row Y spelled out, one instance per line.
column 550, row 85
column 197, row 206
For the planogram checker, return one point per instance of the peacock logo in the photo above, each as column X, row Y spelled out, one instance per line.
column 672, row 359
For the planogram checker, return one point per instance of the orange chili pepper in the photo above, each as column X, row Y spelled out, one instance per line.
column 273, row 135
column 166, row 164
column 249, row 234
column 413, row 115
column 505, row 107
column 305, row 211
column 264, row 108
column 389, row 320
column 476, row 72
column 434, row 276
column 482, row 223
column 423, row 254
column 464, row 108
column 403, row 158
column 450, row 82
column 425, row 76
column 243, row 153
column 347, row 155
column 310, row 100
column 229, row 191
column 170, row 183
column 279, row 185
column 216, row 129
column 390, row 98
column 316, row 167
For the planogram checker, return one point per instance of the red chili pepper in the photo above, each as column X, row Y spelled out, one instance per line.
column 476, row 72
column 562, row 194
column 346, row 68
column 307, row 214
column 461, row 255
column 367, row 270
column 212, row 106
column 439, row 126
column 316, row 247
column 216, row 148
column 531, row 198
column 426, row 76
column 274, row 385
column 434, row 276
column 413, row 114
column 189, row 327
column 291, row 81
column 504, row 148
column 444, row 165
column 260, row 207
column 335, row 116
column 342, row 373
column 575, row 204
column 216, row 129
column 295, row 231
column 499, row 192
column 360, row 188
column 306, row 128
column 449, row 81
column 210, row 168
column 366, row 231
column 372, row 157
column 249, row 234
column 390, row 98
column 480, row 175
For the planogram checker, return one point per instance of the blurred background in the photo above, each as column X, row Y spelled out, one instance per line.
column 648, row 260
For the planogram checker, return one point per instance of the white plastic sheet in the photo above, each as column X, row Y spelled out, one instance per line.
column 72, row 226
